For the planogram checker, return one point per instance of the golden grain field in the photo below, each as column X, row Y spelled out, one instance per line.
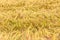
column 29, row 19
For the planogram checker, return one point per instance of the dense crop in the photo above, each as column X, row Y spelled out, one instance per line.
column 29, row 19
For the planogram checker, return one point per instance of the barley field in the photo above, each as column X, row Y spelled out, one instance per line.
column 29, row 19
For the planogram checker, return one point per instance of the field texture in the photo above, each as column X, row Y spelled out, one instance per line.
column 29, row 19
